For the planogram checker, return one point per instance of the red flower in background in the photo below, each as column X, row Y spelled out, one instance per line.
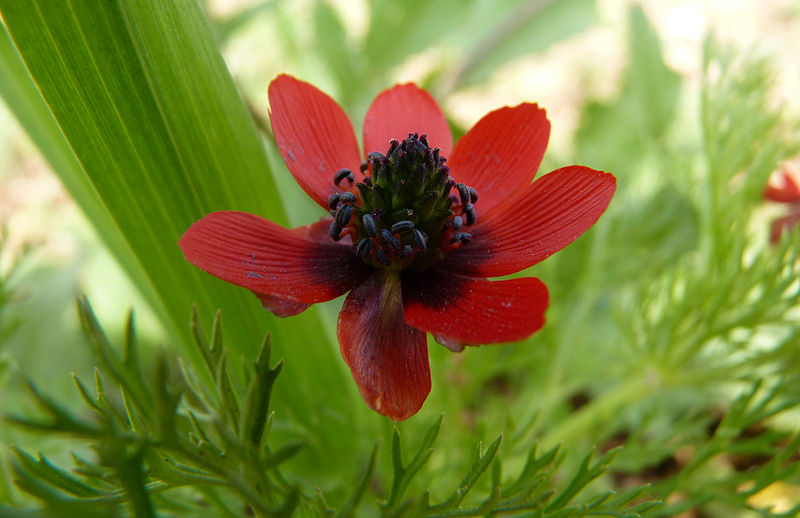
column 412, row 239
column 784, row 187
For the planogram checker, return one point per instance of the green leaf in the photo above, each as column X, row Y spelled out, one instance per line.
column 404, row 474
column 614, row 134
column 526, row 27
column 156, row 127
column 256, row 404
column 141, row 94
column 348, row 509
column 24, row 100
column 59, row 478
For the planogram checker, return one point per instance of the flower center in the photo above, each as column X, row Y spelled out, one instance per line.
column 407, row 212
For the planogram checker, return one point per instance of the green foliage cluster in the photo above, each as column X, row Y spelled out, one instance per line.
column 673, row 327
column 169, row 444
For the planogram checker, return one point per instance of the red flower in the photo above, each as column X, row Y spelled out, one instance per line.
column 411, row 239
column 784, row 187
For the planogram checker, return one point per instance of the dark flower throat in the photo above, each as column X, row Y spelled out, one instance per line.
column 407, row 212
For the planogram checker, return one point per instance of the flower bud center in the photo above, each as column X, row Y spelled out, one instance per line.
column 407, row 212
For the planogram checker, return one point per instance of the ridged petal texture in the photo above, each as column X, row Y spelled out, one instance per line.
column 387, row 357
column 531, row 226
column 461, row 310
column 268, row 259
column 401, row 110
column 500, row 155
column 314, row 135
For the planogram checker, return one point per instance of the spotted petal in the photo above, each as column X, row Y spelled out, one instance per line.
column 500, row 155
column 314, row 135
column 401, row 110
column 461, row 310
column 387, row 357
column 270, row 260
column 541, row 220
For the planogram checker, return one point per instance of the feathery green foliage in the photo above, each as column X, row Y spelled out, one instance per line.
column 164, row 445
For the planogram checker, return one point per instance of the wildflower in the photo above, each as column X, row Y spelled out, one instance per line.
column 414, row 230
column 784, row 187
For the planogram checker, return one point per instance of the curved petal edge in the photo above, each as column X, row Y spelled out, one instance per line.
column 387, row 357
column 315, row 137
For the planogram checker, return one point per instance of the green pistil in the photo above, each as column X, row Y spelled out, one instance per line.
column 403, row 214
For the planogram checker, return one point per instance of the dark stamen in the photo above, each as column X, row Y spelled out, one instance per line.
column 343, row 215
column 463, row 237
column 369, row 224
column 463, row 192
column 469, row 211
column 335, row 231
column 420, row 239
column 390, row 240
column 341, row 174
column 382, row 258
column 364, row 247
column 402, row 225
column 405, row 201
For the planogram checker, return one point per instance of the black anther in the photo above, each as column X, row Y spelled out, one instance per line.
column 333, row 201
column 347, row 197
column 364, row 247
column 424, row 139
column 473, row 194
column 343, row 215
column 374, row 155
column 335, row 231
column 463, row 193
column 364, row 166
column 469, row 211
column 382, row 258
column 457, row 222
column 463, row 237
column 402, row 225
column 369, row 224
column 406, row 251
column 420, row 239
column 389, row 238
column 341, row 174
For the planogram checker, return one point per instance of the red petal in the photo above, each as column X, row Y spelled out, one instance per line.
column 314, row 135
column 500, row 155
column 544, row 218
column 401, row 110
column 268, row 259
column 461, row 310
column 281, row 307
column 780, row 225
column 783, row 186
column 388, row 358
